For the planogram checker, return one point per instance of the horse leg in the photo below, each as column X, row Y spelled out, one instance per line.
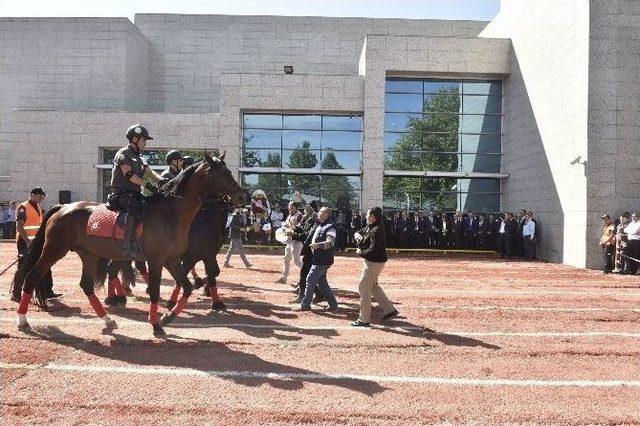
column 155, row 275
column 115, row 291
column 89, row 271
column 213, row 271
column 49, row 256
column 177, row 272
column 188, row 263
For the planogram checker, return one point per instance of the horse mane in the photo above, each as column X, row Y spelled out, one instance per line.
column 176, row 186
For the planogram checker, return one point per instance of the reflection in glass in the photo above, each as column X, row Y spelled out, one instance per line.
column 302, row 122
column 296, row 138
column 262, row 138
column 261, row 158
column 342, row 140
column 341, row 122
column 436, row 86
column 480, row 124
column 403, row 86
column 262, row 121
column 482, row 105
column 349, row 160
column 403, row 102
column 479, row 87
column 301, row 158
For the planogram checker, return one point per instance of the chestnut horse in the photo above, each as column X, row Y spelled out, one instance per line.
column 163, row 242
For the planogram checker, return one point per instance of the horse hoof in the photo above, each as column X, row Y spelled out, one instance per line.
column 122, row 301
column 218, row 306
column 197, row 283
column 170, row 304
column 167, row 319
column 158, row 331
column 110, row 326
column 24, row 327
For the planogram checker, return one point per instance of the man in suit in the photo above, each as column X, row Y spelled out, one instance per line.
column 512, row 238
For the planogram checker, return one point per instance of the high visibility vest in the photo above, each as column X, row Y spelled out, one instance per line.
column 32, row 221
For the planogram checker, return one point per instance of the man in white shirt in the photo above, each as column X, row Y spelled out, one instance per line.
column 633, row 238
column 528, row 234
column 293, row 248
column 276, row 217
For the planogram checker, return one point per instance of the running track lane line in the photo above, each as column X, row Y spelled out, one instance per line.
column 180, row 324
column 455, row 381
column 426, row 307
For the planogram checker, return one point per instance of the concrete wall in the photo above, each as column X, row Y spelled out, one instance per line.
column 190, row 52
column 68, row 64
column 422, row 56
column 64, row 146
column 545, row 126
column 613, row 169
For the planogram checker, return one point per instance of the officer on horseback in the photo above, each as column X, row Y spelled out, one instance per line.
column 127, row 180
column 175, row 162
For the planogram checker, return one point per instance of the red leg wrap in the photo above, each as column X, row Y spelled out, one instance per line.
column 97, row 306
column 180, row 306
column 111, row 291
column 213, row 292
column 153, row 312
column 24, row 303
column 117, row 284
column 175, row 293
column 145, row 277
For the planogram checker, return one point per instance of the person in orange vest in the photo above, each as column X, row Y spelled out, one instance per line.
column 28, row 220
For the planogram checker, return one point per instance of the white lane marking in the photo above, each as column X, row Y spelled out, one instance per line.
column 189, row 372
column 182, row 324
column 479, row 308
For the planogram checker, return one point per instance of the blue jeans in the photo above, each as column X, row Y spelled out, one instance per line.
column 317, row 277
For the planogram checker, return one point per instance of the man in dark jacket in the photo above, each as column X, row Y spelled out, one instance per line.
column 321, row 241
column 236, row 223
column 372, row 248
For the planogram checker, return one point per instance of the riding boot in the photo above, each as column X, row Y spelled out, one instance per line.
column 128, row 244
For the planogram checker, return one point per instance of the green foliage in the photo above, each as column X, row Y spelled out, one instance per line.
column 420, row 149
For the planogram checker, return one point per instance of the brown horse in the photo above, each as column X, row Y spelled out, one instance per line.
column 165, row 238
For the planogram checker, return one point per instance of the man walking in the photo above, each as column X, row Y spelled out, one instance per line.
column 235, row 237
column 321, row 241
column 608, row 243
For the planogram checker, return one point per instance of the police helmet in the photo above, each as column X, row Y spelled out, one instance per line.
column 172, row 155
column 187, row 160
column 137, row 130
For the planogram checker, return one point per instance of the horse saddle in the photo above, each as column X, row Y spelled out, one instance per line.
column 107, row 223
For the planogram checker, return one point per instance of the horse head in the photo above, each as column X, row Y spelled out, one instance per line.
column 221, row 182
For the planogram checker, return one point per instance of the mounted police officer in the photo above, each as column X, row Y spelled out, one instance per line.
column 127, row 180
column 175, row 162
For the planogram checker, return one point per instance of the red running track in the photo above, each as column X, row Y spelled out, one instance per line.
column 478, row 340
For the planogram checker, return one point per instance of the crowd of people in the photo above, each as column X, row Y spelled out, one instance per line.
column 508, row 234
column 620, row 244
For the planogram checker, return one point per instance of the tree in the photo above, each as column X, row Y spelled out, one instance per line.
column 303, row 158
column 430, row 144
column 334, row 187
column 273, row 184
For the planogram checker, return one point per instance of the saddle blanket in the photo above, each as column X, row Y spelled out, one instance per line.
column 109, row 224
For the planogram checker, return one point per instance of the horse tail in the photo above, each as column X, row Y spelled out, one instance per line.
column 30, row 258
column 128, row 275
column 101, row 275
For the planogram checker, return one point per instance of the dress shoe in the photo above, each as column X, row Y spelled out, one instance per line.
column 301, row 308
column 391, row 314
column 358, row 323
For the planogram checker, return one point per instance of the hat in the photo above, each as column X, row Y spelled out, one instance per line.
column 605, row 216
column 38, row 191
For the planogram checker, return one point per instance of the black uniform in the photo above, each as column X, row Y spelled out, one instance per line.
column 125, row 195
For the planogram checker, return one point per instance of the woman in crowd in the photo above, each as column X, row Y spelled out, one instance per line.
column 372, row 247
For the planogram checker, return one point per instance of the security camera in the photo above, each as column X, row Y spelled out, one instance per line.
column 576, row 160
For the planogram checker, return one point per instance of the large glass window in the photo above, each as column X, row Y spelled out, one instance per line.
column 444, row 194
column 328, row 144
column 335, row 191
column 442, row 126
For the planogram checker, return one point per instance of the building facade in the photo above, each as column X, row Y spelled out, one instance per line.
column 418, row 114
